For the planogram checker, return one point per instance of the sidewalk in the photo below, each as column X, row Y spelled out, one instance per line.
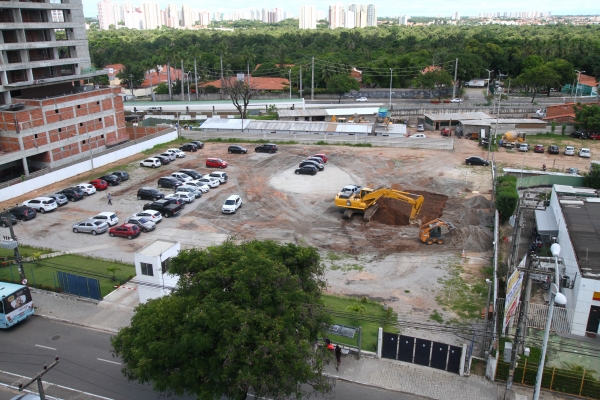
column 116, row 311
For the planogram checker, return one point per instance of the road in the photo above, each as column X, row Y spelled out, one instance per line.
column 86, row 364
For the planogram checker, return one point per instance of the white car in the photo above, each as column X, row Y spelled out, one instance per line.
column 42, row 204
column 210, row 181
column 180, row 176
column 191, row 189
column 420, row 128
column 170, row 156
column 524, row 147
column 178, row 153
column 585, row 153
column 200, row 185
column 456, row 100
column 86, row 188
column 231, row 205
column 418, row 136
column 109, row 217
column 151, row 163
column 185, row 196
column 361, row 99
column 569, row 151
column 152, row 215
column 220, row 175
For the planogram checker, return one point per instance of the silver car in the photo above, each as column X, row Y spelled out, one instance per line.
column 193, row 190
column 92, row 226
column 170, row 156
column 144, row 223
column 60, row 199
column 203, row 187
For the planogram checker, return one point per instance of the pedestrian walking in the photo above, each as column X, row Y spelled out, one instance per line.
column 338, row 357
column 544, row 167
column 109, row 197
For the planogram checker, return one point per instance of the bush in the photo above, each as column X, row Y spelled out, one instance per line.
column 507, row 196
column 553, row 127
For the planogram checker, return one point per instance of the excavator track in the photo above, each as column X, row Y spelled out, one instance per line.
column 370, row 212
column 347, row 214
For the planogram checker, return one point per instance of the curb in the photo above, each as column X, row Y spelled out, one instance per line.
column 66, row 321
column 341, row 378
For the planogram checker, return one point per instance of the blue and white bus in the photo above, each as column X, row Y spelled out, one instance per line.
column 15, row 304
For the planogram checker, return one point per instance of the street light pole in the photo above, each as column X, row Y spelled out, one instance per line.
column 290, row 83
column 488, row 85
column 131, row 84
column 577, row 87
column 188, row 79
column 391, row 70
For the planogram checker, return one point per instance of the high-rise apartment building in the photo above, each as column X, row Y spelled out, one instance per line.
column 47, row 117
column 371, row 15
column 107, row 14
column 349, row 20
column 336, row 16
column 265, row 15
column 308, row 17
column 187, row 20
column 151, row 14
column 403, row 19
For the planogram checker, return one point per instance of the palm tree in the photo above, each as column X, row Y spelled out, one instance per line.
column 194, row 52
column 169, row 53
column 247, row 54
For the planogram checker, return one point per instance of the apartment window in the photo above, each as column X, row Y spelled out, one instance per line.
column 60, row 129
column 147, row 269
column 10, row 36
column 99, row 119
column 78, row 105
column 165, row 265
column 35, row 136
column 56, row 111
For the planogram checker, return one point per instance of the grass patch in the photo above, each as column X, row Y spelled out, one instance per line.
column 42, row 274
column 435, row 316
column 161, row 146
column 25, row 251
column 464, row 293
column 331, row 256
column 369, row 316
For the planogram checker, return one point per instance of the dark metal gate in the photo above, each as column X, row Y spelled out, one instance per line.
column 422, row 350
column 389, row 345
column 79, row 285
column 454, row 358
column 406, row 348
column 439, row 354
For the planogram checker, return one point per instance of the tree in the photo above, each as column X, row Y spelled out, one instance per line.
column 341, row 84
column 169, row 53
column 537, row 78
column 592, row 178
column 240, row 93
column 161, row 88
column 244, row 319
column 434, row 80
column 132, row 73
column 588, row 116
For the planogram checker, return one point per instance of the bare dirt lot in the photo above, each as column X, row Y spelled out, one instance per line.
column 382, row 259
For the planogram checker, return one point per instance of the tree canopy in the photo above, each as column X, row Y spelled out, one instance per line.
column 588, row 117
column 592, row 178
column 245, row 318
column 342, row 83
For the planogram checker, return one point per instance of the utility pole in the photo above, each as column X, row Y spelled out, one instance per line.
column 38, row 379
column 182, row 87
column 222, row 80
column 290, row 83
column 196, row 78
column 455, row 75
column 312, row 82
column 131, row 84
column 300, row 80
column 12, row 243
column 391, row 77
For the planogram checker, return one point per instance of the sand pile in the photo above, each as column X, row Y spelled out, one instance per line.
column 396, row 212
column 473, row 238
column 478, row 202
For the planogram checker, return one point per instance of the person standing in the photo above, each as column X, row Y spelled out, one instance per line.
column 338, row 357
column 109, row 197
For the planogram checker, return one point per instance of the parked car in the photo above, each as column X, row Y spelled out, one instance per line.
column 192, row 173
column 41, row 204
column 123, row 175
column 222, row 176
column 169, row 182
column 307, row 170
column 107, row 216
column 420, row 128
column 86, row 188
column 210, row 182
column 237, row 149
column 474, row 160
column 191, row 189
column 316, row 159
column 569, row 151
column 111, row 179
column 456, row 100
column 585, row 153
column 170, row 156
column 92, row 226
column 60, row 199
column 322, row 156
column 446, row 131
column 151, row 162
column 579, row 135
column 165, row 206
column 73, row 194
column 129, row 231
column 212, row 179
column 232, row 203
column 189, row 147
column 164, row 160
column 99, row 184
column 152, row 215
column 553, row 149
column 201, row 186
column 148, row 193
column 198, row 144
column 4, row 221
column 215, row 163
column 524, row 147
column 180, row 176
column 318, row 166
column 185, row 196
column 178, row 153
column 143, row 223
column 361, row 99
column 266, row 148
column 539, row 148
column 23, row 213
column 594, row 136
column 418, row 136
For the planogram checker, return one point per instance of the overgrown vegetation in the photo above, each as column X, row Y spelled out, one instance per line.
column 507, row 196
column 464, row 292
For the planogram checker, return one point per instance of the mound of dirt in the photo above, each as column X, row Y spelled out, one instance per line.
column 473, row 238
column 478, row 202
column 475, row 217
column 396, row 212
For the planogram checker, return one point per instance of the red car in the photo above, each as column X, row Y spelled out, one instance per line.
column 322, row 157
column 129, row 231
column 595, row 136
column 99, row 184
column 216, row 163
column 446, row 132
column 539, row 148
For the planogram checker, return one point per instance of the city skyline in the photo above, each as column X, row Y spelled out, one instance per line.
column 427, row 8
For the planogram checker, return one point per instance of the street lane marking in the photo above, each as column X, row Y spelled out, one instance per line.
column 45, row 347
column 112, row 362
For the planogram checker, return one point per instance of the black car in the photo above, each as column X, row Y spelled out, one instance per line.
column 23, row 213
column 73, row 194
column 579, row 135
column 192, row 173
column 163, row 160
column 266, row 148
column 148, row 193
column 4, row 221
column 176, row 201
column 553, row 149
column 189, row 147
column 307, row 170
column 318, row 166
column 111, row 179
column 123, row 175
column 198, row 144
column 237, row 149
column 318, row 160
column 476, row 161
column 169, row 182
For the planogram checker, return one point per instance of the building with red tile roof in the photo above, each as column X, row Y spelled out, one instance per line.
column 561, row 112
column 265, row 83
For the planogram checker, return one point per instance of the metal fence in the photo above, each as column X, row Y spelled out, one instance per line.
column 537, row 314
column 549, row 180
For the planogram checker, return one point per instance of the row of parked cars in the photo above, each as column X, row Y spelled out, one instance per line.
column 554, row 149
column 312, row 165
column 170, row 155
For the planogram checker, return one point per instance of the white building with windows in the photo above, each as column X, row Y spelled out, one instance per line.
column 371, row 15
column 308, row 17
column 152, row 269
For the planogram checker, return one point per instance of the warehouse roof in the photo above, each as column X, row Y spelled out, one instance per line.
column 457, row 116
column 583, row 223
column 312, row 112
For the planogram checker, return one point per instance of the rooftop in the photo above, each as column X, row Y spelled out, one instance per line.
column 156, row 248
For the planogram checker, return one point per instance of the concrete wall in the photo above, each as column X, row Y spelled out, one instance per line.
column 159, row 284
column 400, row 93
column 84, row 166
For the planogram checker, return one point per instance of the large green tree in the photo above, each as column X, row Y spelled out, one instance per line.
column 588, row 117
column 341, row 84
column 244, row 319
column 592, row 178
column 538, row 78
column 433, row 81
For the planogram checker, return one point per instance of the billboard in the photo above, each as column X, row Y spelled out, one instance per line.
column 513, row 293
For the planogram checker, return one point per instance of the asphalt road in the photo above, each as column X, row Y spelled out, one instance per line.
column 86, row 363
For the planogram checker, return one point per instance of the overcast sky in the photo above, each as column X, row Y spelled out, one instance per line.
column 392, row 8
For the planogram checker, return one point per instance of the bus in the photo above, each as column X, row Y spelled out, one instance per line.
column 15, row 304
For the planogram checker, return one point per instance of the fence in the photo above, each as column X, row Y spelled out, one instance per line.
column 549, row 180
column 79, row 285
column 537, row 314
column 578, row 382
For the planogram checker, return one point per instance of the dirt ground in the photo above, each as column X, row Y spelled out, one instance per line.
column 382, row 259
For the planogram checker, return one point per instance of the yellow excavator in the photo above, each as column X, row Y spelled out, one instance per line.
column 356, row 199
column 431, row 232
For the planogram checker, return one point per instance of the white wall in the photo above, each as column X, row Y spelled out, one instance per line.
column 586, row 287
column 159, row 284
column 84, row 166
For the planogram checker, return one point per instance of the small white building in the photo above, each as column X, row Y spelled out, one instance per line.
column 152, row 269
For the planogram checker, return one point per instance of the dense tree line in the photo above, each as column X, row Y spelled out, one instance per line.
column 374, row 51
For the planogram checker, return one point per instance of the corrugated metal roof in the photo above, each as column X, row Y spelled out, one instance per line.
column 506, row 121
column 303, row 126
column 313, row 112
column 583, row 223
column 458, row 116
column 225, row 123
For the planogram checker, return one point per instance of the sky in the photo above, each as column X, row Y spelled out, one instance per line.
column 390, row 8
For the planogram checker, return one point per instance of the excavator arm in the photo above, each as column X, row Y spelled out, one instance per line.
column 414, row 199
column 366, row 201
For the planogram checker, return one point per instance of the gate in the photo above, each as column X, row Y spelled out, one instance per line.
column 79, row 285
column 439, row 354
column 422, row 350
column 389, row 345
column 454, row 359
column 406, row 349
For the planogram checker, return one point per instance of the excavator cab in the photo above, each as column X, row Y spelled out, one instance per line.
column 431, row 232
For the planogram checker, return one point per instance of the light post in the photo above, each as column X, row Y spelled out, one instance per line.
column 290, row 83
column 131, row 84
column 188, row 78
column 577, row 87
column 555, row 297
column 391, row 70
column 488, row 85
